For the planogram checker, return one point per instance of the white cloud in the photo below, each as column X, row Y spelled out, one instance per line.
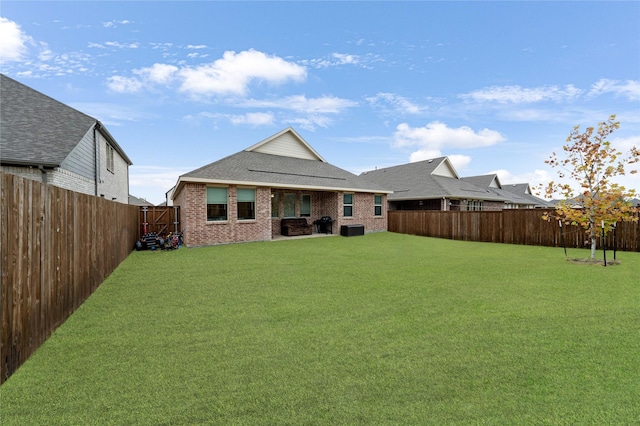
column 124, row 84
column 157, row 73
column 436, row 135
column 315, row 110
column 460, row 162
column 253, row 118
column 424, row 154
column 534, row 178
column 152, row 182
column 398, row 103
column 115, row 23
column 325, row 104
column 343, row 58
column 302, row 104
column 232, row 74
column 339, row 59
column 629, row 89
column 119, row 45
column 625, row 144
column 13, row 41
column 311, row 113
column 310, row 122
column 518, row 95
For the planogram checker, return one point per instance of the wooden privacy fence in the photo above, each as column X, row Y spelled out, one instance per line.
column 507, row 226
column 57, row 247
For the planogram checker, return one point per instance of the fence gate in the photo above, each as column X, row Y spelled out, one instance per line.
column 159, row 219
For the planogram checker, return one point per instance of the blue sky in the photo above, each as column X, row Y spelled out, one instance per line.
column 496, row 86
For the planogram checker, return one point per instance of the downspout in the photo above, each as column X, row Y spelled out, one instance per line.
column 444, row 203
column 44, row 173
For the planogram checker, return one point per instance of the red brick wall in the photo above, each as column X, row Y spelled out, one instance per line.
column 192, row 200
column 199, row 232
column 363, row 213
column 492, row 206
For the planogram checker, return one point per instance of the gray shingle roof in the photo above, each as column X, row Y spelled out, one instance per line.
column 255, row 168
column 512, row 197
column 522, row 190
column 415, row 181
column 38, row 130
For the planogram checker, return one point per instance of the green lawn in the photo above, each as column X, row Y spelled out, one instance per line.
column 378, row 329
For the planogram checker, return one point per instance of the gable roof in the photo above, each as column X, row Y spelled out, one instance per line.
column 255, row 168
column 524, row 190
column 286, row 143
column 38, row 130
column 484, row 181
column 427, row 180
column 519, row 194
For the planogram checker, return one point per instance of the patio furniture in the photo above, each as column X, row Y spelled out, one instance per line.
column 351, row 230
column 324, row 225
column 295, row 226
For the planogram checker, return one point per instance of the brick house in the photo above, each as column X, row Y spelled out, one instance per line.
column 517, row 196
column 435, row 185
column 245, row 196
column 45, row 140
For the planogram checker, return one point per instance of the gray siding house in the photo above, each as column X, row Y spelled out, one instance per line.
column 45, row 140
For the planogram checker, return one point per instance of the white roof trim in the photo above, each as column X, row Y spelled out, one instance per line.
column 182, row 180
column 445, row 163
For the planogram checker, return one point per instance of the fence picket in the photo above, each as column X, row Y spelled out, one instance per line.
column 524, row 226
column 57, row 248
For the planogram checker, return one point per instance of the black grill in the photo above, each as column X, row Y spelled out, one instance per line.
column 324, row 225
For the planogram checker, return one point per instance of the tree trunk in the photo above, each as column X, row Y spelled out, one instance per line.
column 594, row 239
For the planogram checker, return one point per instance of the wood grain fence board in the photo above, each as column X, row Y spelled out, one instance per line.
column 517, row 226
column 57, row 247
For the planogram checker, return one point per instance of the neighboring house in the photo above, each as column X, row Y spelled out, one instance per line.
column 48, row 141
column 138, row 201
column 168, row 196
column 245, row 196
column 433, row 185
column 517, row 196
column 524, row 190
column 577, row 202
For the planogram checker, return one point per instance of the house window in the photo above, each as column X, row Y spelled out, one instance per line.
column 216, row 204
column 275, row 205
column 474, row 205
column 347, row 205
column 305, row 205
column 246, row 203
column 289, row 205
column 377, row 205
column 110, row 163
